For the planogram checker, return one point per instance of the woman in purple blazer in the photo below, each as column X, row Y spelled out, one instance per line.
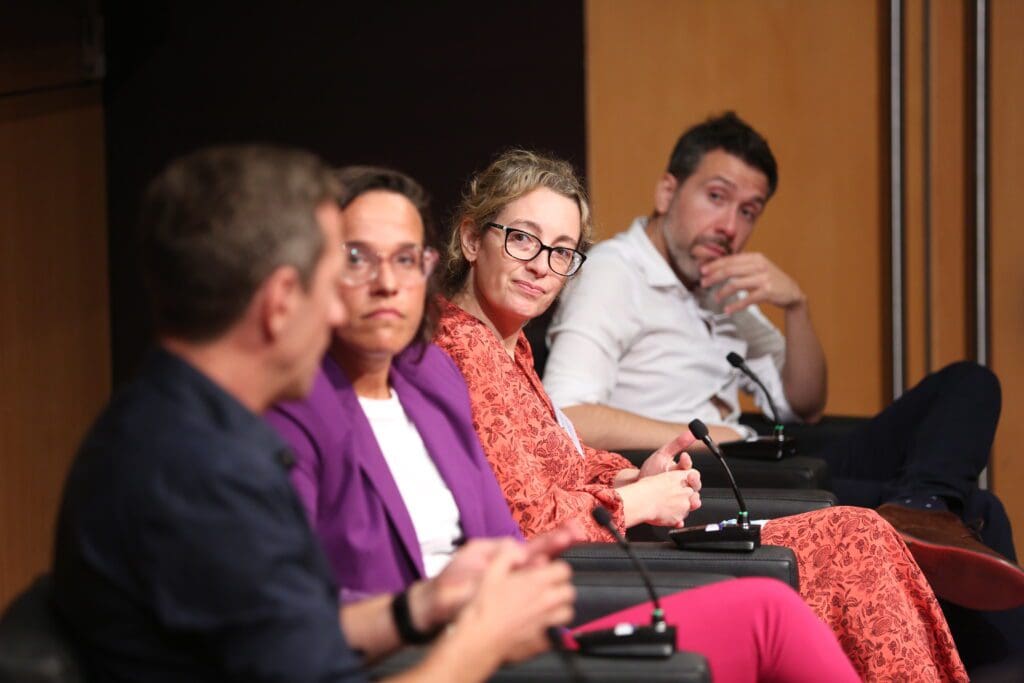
column 388, row 465
column 393, row 478
column 354, row 503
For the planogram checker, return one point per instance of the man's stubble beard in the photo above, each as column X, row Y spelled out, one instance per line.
column 681, row 261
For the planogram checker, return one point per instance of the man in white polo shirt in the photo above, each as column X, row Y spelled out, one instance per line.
column 640, row 340
column 639, row 345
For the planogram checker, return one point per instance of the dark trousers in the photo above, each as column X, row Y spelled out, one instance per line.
column 933, row 440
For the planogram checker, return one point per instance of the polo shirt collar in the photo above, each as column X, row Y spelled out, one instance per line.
column 652, row 264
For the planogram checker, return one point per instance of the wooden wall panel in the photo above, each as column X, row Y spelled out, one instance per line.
column 951, row 157
column 54, row 323
column 915, row 37
column 938, row 194
column 808, row 75
column 1007, row 249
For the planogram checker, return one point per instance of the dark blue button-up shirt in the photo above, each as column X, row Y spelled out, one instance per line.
column 182, row 552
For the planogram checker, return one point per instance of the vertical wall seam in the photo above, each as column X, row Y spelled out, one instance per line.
column 926, row 180
column 896, row 205
column 981, row 315
column 981, row 93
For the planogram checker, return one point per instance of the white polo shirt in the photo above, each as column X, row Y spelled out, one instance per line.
column 630, row 335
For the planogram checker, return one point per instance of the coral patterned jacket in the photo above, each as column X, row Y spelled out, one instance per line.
column 543, row 476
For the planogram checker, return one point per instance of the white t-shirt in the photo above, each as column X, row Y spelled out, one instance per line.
column 435, row 516
column 630, row 335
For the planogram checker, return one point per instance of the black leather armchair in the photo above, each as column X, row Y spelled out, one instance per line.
column 606, row 580
column 684, row 569
column 599, row 592
column 772, row 561
column 718, row 504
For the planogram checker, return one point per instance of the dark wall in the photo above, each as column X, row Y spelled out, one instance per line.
column 434, row 89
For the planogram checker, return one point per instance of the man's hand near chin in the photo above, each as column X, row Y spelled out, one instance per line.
column 804, row 372
column 755, row 273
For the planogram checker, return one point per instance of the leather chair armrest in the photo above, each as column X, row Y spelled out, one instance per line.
column 796, row 472
column 718, row 504
column 810, row 438
column 602, row 592
column 773, row 561
column 687, row 667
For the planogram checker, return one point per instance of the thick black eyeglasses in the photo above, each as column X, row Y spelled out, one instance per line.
column 522, row 246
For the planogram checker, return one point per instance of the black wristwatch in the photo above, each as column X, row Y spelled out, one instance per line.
column 403, row 622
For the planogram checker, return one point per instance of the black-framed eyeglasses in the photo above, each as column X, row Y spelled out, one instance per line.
column 410, row 264
column 522, row 246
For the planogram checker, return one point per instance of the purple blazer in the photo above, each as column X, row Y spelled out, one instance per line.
column 347, row 489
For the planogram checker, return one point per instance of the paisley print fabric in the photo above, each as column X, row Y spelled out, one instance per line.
column 855, row 570
column 858, row 576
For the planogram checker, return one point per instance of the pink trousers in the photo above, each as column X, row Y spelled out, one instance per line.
column 749, row 630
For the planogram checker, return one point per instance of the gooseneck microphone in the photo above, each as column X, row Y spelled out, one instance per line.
column 628, row 640
column 736, row 360
column 701, row 433
column 737, row 535
column 604, row 518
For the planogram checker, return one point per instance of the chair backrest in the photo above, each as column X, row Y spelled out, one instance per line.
column 536, row 333
column 33, row 646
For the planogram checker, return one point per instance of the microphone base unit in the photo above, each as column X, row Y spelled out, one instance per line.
column 761, row 448
column 627, row 640
column 731, row 538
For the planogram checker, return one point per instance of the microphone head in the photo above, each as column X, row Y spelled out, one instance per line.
column 698, row 429
column 735, row 360
column 601, row 515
